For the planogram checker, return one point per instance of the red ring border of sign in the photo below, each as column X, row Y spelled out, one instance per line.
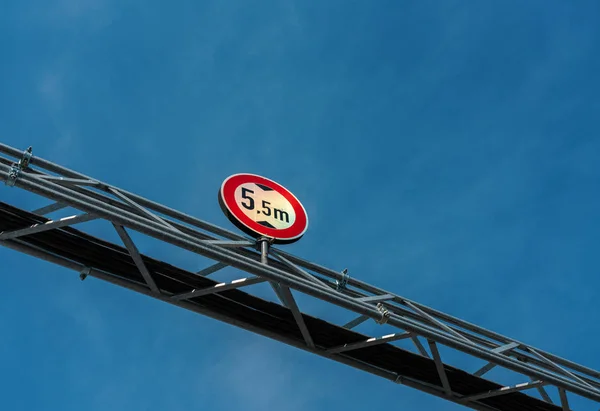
column 250, row 227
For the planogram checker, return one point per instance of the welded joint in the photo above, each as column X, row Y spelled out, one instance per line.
column 341, row 283
column 385, row 314
column 260, row 240
column 507, row 348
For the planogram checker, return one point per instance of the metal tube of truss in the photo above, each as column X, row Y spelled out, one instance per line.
column 321, row 270
column 244, row 246
column 151, row 228
column 471, row 335
column 446, row 317
column 506, row 390
column 431, row 310
column 187, row 242
column 369, row 342
column 160, row 208
column 50, row 225
column 49, row 209
column 41, row 254
column 218, row 288
column 52, row 167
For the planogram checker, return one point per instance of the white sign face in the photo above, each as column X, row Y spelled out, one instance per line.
column 265, row 206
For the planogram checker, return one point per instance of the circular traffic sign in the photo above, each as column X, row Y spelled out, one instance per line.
column 263, row 208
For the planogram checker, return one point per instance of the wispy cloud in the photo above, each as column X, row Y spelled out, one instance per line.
column 261, row 375
column 88, row 15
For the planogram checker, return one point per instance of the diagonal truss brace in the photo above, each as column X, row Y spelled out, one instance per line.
column 126, row 199
column 50, row 208
column 505, row 348
column 414, row 338
column 137, row 258
column 437, row 322
column 564, row 402
column 285, row 294
column 356, row 322
column 290, row 302
column 439, row 365
column 559, row 368
column 375, row 298
column 71, row 181
column 242, row 282
column 544, row 394
column 505, row 390
column 369, row 342
column 211, row 269
column 50, row 225
column 420, row 347
column 296, row 269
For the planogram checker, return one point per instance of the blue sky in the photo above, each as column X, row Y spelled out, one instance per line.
column 446, row 151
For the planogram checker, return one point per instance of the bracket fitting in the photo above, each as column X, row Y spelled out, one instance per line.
column 260, row 240
column 16, row 168
column 385, row 314
column 341, row 284
column 84, row 273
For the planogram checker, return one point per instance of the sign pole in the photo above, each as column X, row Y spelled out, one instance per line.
column 264, row 250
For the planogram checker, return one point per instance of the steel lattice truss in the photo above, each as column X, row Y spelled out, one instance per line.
column 122, row 264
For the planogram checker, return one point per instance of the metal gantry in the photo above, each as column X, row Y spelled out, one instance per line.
column 31, row 233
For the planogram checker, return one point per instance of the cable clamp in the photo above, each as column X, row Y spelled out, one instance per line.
column 385, row 314
column 26, row 158
column 13, row 175
column 341, row 284
column 15, row 168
